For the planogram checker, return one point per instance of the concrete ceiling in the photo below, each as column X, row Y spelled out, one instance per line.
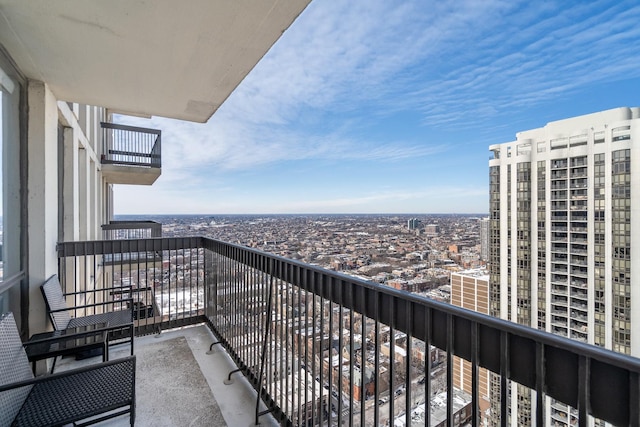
column 170, row 58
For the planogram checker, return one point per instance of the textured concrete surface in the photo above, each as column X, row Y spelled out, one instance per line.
column 179, row 395
column 236, row 402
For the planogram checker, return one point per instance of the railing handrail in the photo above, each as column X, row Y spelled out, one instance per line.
column 561, row 368
column 107, row 125
column 120, row 225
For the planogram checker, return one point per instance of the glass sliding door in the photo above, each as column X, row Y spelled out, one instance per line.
column 12, row 267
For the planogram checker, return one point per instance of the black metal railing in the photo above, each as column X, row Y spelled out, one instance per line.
column 130, row 145
column 324, row 348
column 123, row 230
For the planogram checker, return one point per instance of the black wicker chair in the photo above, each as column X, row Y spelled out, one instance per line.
column 91, row 394
column 119, row 323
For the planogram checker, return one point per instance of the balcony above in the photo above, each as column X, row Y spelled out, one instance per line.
column 130, row 155
column 144, row 58
column 119, row 230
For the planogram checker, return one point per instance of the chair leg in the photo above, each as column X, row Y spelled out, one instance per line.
column 131, row 331
column 53, row 365
column 132, row 414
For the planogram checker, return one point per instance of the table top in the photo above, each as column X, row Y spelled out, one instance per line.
column 66, row 341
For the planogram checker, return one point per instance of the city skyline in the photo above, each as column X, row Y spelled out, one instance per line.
column 379, row 109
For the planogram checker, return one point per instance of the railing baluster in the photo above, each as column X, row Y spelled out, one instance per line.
column 583, row 390
column 377, row 357
column 363, row 360
column 351, row 357
column 340, row 360
column 504, row 372
column 321, row 359
column 309, row 376
column 427, row 355
column 475, row 418
column 296, row 330
column 288, row 344
column 392, row 363
column 450, row 370
column 264, row 352
column 408, row 360
column 634, row 397
column 540, row 401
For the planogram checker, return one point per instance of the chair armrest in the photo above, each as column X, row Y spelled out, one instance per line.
column 66, row 337
column 77, row 307
column 70, row 373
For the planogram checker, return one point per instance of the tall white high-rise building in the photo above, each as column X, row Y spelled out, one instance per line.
column 562, row 199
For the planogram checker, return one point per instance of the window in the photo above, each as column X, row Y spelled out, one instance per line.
column 598, row 137
column 11, row 254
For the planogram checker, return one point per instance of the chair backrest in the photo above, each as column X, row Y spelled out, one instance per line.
column 52, row 291
column 14, row 367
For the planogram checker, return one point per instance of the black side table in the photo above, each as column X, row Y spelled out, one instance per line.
column 66, row 342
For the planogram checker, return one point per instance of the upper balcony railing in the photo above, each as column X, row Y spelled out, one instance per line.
column 120, row 230
column 130, row 145
column 324, row 348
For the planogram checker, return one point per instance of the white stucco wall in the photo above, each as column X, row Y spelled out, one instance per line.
column 42, row 196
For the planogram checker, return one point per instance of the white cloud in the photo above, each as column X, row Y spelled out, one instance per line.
column 440, row 199
column 343, row 65
column 336, row 56
column 535, row 56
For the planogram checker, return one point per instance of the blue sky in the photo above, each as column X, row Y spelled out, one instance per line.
column 390, row 106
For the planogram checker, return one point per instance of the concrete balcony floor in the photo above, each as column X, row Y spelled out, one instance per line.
column 236, row 402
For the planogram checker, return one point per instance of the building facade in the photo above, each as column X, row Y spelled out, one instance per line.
column 484, row 239
column 470, row 290
column 561, row 229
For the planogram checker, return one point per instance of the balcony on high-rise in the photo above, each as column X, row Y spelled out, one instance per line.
column 132, row 229
column 299, row 336
column 130, row 154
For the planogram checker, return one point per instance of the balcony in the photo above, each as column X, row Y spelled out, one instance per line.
column 297, row 333
column 559, row 301
column 579, row 173
column 558, row 290
column 123, row 230
column 130, row 155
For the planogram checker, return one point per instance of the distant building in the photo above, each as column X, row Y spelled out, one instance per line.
column 413, row 224
column 432, row 229
column 462, row 411
column 454, row 248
